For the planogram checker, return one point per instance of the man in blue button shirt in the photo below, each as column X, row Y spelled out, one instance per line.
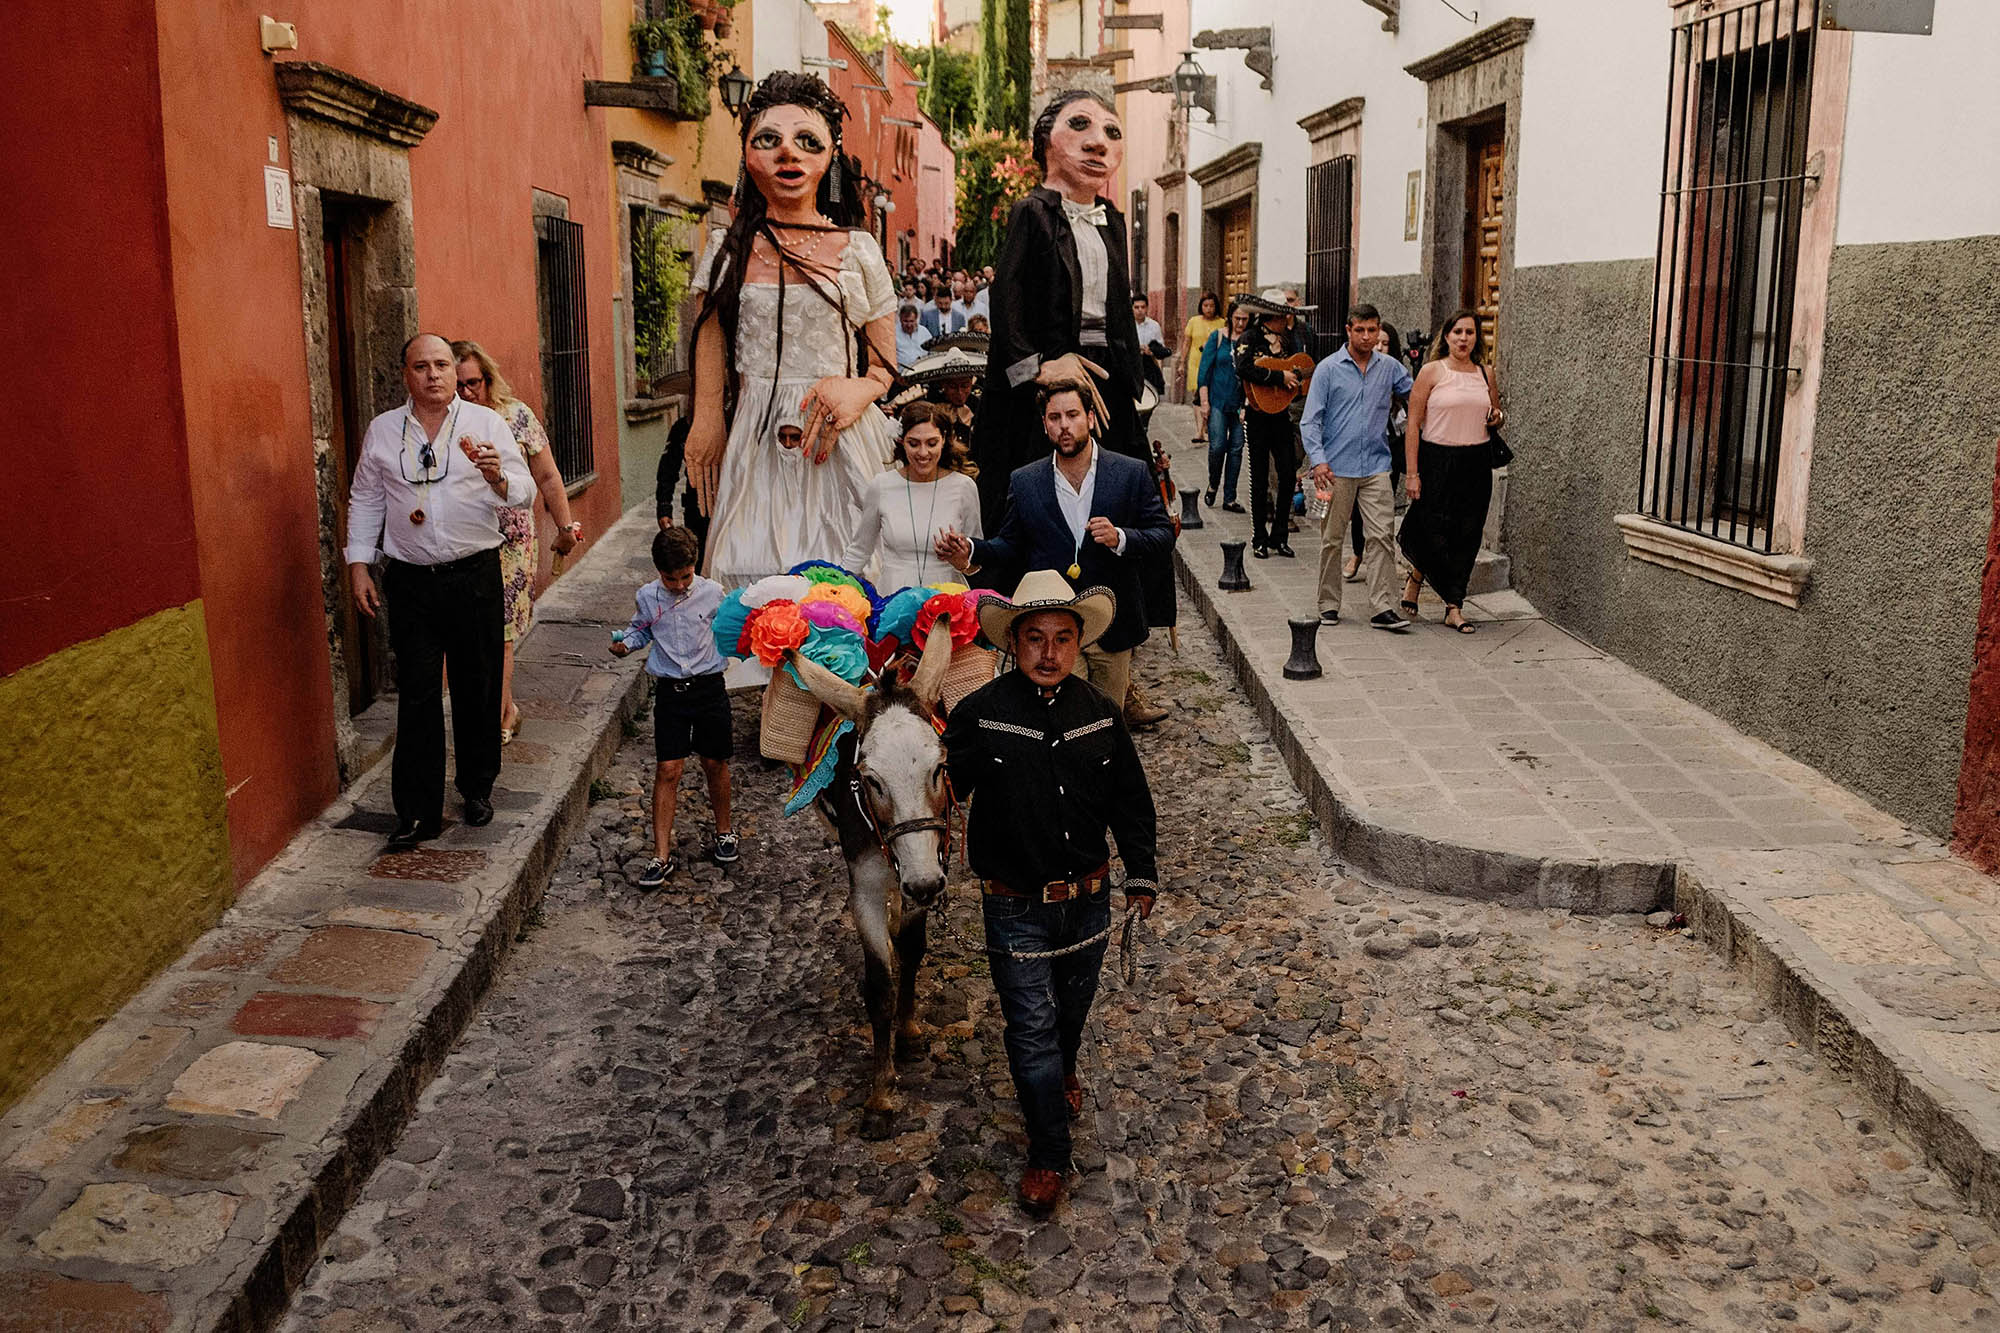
column 1345, row 429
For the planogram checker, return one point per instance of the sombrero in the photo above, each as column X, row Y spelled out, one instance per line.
column 1046, row 590
column 1271, row 301
column 976, row 343
column 953, row 363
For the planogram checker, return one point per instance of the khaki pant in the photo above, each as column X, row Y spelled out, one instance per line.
column 1110, row 672
column 1376, row 497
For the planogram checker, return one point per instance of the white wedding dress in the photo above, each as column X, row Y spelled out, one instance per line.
column 774, row 506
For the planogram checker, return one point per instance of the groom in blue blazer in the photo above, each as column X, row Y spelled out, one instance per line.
column 1091, row 514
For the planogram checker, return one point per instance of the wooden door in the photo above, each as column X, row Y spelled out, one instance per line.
column 1236, row 249
column 361, row 647
column 1485, row 207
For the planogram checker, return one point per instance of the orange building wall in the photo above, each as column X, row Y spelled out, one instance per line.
column 511, row 118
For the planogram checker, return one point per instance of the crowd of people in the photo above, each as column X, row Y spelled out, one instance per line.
column 933, row 427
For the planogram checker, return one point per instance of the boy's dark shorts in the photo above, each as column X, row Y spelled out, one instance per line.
column 691, row 716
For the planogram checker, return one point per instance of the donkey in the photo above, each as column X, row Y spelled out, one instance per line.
column 887, row 803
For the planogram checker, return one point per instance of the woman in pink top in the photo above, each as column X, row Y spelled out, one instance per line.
column 1450, row 477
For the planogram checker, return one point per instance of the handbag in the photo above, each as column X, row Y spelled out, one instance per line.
column 1498, row 454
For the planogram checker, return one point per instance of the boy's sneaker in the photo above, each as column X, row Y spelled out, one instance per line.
column 725, row 850
column 655, row 874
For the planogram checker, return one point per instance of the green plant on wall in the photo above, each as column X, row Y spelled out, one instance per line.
column 683, row 48
column 659, row 286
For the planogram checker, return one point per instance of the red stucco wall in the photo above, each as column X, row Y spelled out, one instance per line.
column 101, row 529
column 1976, row 827
column 507, row 83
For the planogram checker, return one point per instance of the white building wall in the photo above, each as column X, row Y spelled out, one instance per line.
column 782, row 33
column 1921, row 161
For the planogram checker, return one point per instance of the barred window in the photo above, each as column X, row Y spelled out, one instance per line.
column 1734, row 185
column 1330, row 245
column 565, row 346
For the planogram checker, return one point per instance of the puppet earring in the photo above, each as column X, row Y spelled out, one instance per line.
column 833, row 180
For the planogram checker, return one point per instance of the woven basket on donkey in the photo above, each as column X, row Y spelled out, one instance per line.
column 790, row 714
column 971, row 666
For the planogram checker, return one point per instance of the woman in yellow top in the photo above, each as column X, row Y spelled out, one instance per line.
column 1206, row 319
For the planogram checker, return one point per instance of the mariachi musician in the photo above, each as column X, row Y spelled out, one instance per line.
column 1275, row 368
column 1061, row 295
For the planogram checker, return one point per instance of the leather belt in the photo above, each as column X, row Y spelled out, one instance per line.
column 1057, row 890
column 682, row 684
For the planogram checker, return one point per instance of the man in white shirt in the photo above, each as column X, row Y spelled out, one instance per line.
column 911, row 336
column 1152, row 343
column 432, row 478
column 944, row 316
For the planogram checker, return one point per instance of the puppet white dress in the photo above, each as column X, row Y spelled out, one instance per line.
column 774, row 506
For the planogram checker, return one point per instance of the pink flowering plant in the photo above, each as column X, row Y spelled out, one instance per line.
column 995, row 172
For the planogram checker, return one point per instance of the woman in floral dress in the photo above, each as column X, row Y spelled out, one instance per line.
column 480, row 381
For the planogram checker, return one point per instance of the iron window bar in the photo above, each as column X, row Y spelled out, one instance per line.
column 1330, row 242
column 1733, row 185
column 565, row 348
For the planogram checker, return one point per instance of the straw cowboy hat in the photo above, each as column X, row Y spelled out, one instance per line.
column 1046, row 590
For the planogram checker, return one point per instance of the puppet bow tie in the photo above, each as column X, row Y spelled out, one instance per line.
column 1094, row 215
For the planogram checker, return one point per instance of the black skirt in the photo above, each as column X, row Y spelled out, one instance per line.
column 1441, row 532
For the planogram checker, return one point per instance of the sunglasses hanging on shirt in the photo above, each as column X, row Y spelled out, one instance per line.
column 427, row 462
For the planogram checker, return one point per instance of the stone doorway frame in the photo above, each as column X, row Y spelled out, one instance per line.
column 1468, row 85
column 352, row 139
column 1224, row 181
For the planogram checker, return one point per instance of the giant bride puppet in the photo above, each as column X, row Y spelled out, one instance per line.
column 793, row 346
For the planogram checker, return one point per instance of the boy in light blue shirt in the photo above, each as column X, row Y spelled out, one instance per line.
column 674, row 620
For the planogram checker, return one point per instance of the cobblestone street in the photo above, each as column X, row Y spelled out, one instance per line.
column 1324, row 1104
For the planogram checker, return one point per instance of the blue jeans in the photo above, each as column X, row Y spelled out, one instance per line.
column 1045, row 1002
column 1225, row 451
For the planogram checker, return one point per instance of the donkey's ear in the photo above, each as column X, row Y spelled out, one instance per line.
column 850, row 701
column 928, row 682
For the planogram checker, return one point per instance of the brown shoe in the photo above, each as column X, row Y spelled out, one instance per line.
column 1041, row 1190
column 1073, row 1095
column 1141, row 711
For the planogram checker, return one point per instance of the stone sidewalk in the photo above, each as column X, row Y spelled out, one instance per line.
column 1519, row 764
column 180, row 1170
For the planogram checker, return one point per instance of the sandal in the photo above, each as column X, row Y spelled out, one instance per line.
column 510, row 725
column 1409, row 604
column 1463, row 626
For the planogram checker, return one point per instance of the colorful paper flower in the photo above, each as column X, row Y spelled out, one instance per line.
column 729, row 622
column 899, row 613
column 777, row 626
column 842, row 594
column 956, row 609
column 778, row 587
column 829, row 614
column 841, row 651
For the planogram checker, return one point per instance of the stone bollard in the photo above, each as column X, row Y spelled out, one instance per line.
column 1233, row 578
column 1190, row 511
column 1304, row 661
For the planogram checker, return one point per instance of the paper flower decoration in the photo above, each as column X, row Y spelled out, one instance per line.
column 956, row 609
column 729, row 622
column 828, row 614
column 950, row 587
column 778, row 587
column 842, row 594
column 899, row 613
column 841, row 651
column 777, row 626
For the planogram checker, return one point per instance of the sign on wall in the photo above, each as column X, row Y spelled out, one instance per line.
column 1413, row 203
column 1905, row 16
column 277, row 197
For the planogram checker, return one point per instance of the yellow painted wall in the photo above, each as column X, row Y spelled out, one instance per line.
column 697, row 155
column 114, row 848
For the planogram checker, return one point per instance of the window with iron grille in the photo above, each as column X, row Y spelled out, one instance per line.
column 565, row 346
column 1734, row 185
column 1138, row 241
column 1330, row 244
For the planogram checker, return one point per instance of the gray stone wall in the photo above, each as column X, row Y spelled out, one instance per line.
column 1400, row 298
column 1867, row 681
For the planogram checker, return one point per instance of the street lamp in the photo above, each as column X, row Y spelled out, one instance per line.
column 1187, row 81
column 735, row 87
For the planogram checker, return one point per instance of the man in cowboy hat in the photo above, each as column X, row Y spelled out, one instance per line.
column 1270, row 435
column 1049, row 768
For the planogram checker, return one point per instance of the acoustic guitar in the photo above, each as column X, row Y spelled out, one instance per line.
column 1272, row 399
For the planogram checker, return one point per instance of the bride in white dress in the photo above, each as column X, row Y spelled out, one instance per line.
column 793, row 347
